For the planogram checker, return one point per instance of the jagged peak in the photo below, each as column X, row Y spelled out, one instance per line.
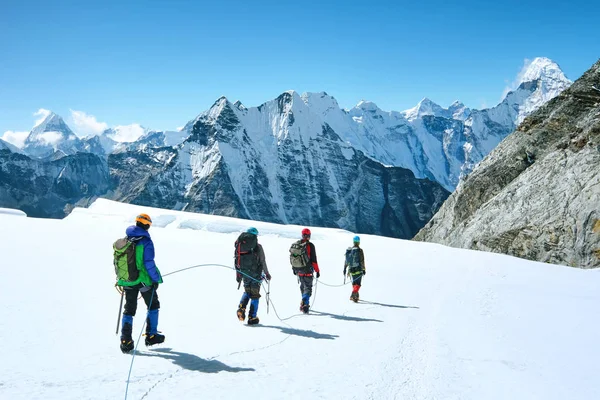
column 367, row 105
column 541, row 68
column 51, row 118
column 319, row 101
column 424, row 107
column 51, row 123
column 426, row 101
column 238, row 104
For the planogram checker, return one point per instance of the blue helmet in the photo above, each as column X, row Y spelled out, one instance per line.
column 356, row 239
column 253, row 231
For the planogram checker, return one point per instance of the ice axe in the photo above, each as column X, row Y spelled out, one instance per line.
column 120, row 308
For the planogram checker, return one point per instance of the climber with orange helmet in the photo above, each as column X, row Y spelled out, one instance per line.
column 146, row 283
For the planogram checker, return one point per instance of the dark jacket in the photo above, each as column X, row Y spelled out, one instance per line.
column 361, row 260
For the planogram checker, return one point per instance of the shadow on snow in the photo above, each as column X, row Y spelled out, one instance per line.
column 301, row 332
column 343, row 317
column 385, row 305
column 192, row 362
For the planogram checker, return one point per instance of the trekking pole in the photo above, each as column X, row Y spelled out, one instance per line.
column 268, row 293
column 239, row 284
column 120, row 308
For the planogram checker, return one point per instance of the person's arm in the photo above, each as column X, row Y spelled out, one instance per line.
column 263, row 262
column 149, row 263
column 362, row 259
column 236, row 263
column 313, row 258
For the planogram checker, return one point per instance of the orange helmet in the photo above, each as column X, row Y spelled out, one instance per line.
column 144, row 219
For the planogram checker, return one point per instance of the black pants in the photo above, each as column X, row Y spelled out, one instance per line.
column 131, row 296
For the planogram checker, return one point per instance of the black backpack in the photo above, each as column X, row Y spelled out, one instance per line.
column 246, row 254
column 353, row 259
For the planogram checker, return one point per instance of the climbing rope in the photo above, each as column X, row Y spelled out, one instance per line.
column 269, row 301
column 137, row 344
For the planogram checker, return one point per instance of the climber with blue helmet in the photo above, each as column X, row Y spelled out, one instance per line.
column 354, row 266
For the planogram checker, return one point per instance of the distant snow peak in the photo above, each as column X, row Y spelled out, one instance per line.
column 50, row 121
column 216, row 109
column 238, row 104
column 41, row 114
column 545, row 73
column 541, row 68
column 320, row 103
column 424, row 107
column 367, row 106
column 285, row 101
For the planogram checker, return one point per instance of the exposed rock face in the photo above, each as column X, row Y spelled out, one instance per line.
column 537, row 194
column 50, row 188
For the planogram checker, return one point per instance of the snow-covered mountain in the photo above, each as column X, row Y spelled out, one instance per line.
column 276, row 162
column 303, row 159
column 438, row 143
column 51, row 187
column 160, row 139
column 116, row 139
column 8, row 146
column 52, row 136
column 433, row 322
column 536, row 194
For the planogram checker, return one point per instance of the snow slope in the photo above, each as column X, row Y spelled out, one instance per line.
column 436, row 322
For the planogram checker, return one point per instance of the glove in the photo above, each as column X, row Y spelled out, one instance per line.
column 238, row 277
column 268, row 276
column 364, row 272
column 154, row 285
column 295, row 272
column 318, row 275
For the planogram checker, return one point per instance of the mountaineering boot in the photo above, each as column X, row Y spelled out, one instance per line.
column 354, row 295
column 126, row 328
column 154, row 339
column 304, row 305
column 241, row 312
column 152, row 335
column 252, row 318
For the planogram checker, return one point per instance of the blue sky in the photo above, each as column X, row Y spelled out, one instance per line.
column 162, row 63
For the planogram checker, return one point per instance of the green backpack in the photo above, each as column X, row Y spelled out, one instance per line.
column 124, row 259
